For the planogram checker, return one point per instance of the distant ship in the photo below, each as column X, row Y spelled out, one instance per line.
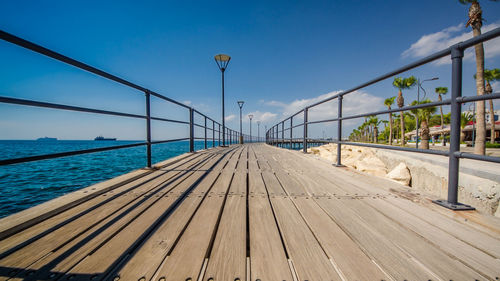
column 46, row 139
column 101, row 138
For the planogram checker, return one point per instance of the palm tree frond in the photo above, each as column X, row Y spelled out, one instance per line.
column 442, row 90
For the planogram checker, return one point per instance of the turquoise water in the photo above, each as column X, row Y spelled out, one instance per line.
column 28, row 184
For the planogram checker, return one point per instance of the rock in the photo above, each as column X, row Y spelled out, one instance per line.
column 401, row 174
column 372, row 165
column 314, row 150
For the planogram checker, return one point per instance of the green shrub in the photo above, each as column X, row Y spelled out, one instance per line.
column 492, row 145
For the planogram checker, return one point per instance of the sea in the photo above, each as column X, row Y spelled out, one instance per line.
column 28, row 184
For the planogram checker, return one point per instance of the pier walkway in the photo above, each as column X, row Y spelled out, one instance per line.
column 247, row 212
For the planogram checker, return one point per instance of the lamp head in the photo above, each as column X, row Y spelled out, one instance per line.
column 250, row 116
column 222, row 61
column 240, row 103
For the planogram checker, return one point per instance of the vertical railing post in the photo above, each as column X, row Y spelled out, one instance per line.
column 283, row 134
column 276, row 140
column 213, row 133
column 219, row 135
column 456, row 108
column 339, row 132
column 205, row 132
column 191, row 129
column 148, row 127
column 304, row 141
column 291, row 132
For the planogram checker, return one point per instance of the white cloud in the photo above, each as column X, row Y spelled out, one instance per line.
column 354, row 103
column 431, row 43
column 230, row 117
column 187, row 102
column 264, row 117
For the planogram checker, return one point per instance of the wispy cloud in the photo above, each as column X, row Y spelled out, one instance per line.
column 264, row 117
column 230, row 117
column 354, row 103
column 431, row 43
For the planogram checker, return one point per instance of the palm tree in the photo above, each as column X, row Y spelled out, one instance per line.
column 389, row 102
column 489, row 76
column 441, row 91
column 466, row 117
column 476, row 21
column 423, row 115
column 373, row 121
column 403, row 83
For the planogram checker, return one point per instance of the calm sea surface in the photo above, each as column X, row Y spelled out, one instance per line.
column 29, row 184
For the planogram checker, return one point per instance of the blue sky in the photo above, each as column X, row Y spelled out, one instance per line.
column 285, row 54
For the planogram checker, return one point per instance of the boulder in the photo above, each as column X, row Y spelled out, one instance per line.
column 372, row 165
column 401, row 174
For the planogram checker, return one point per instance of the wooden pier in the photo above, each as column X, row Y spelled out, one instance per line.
column 247, row 212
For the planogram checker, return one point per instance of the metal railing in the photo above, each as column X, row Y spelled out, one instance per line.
column 276, row 134
column 210, row 124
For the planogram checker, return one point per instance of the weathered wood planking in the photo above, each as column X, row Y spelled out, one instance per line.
column 309, row 259
column 248, row 212
column 77, row 230
column 186, row 259
column 268, row 260
column 157, row 246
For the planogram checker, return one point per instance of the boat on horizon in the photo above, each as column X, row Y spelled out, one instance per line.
column 101, row 138
column 46, row 139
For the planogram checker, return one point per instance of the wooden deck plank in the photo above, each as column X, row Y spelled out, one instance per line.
column 299, row 218
column 268, row 260
column 482, row 262
column 64, row 234
column 43, row 212
column 272, row 185
column 349, row 259
column 188, row 255
column 469, row 255
column 106, row 255
column 227, row 260
column 156, row 247
column 81, row 208
column 431, row 258
column 463, row 232
column 71, row 253
column 309, row 259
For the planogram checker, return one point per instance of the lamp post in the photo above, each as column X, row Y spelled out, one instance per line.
column 419, row 85
column 240, row 104
column 258, row 131
column 222, row 62
column 250, row 116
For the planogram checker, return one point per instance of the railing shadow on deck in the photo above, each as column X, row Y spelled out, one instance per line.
column 276, row 134
column 46, row 272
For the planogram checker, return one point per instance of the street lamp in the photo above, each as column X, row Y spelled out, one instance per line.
column 240, row 104
column 258, row 130
column 419, row 85
column 250, row 116
column 222, row 62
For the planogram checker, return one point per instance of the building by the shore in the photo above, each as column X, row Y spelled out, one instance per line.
column 436, row 131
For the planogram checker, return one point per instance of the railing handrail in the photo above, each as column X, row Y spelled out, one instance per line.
column 456, row 52
column 229, row 134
